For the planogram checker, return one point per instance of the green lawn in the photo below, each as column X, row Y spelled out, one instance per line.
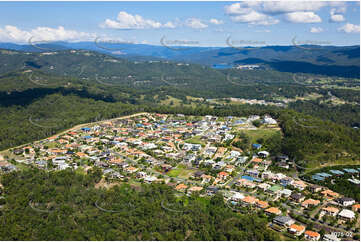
column 260, row 133
column 195, row 140
column 174, row 172
column 180, row 172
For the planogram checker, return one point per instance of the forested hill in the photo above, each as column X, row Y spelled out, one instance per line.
column 62, row 206
column 139, row 80
column 327, row 60
column 134, row 81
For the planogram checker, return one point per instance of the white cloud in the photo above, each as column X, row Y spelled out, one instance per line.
column 338, row 10
column 128, row 21
column 241, row 8
column 244, row 13
column 281, row 7
column 350, row 28
column 316, row 30
column 169, row 25
column 293, row 11
column 336, row 14
column 273, row 7
column 195, row 23
column 13, row 34
column 215, row 21
column 303, row 17
column 337, row 18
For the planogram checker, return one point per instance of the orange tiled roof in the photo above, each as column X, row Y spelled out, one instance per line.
column 298, row 228
column 204, row 176
column 196, row 189
column 300, row 183
column 330, row 193
column 331, row 209
column 262, row 204
column 258, row 160
column 181, row 187
column 223, row 173
column 273, row 210
column 249, row 199
column 311, row 202
column 80, row 154
column 312, row 233
column 356, row 206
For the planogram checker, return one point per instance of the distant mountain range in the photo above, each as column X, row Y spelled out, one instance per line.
column 341, row 61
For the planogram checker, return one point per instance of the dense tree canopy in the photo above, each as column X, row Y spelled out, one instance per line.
column 65, row 206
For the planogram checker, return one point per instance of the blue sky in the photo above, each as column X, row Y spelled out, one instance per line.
column 195, row 23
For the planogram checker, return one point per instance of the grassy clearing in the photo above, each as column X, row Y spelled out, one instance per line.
column 195, row 140
column 180, row 172
column 260, row 133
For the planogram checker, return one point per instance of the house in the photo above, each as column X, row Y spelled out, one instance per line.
column 150, row 179
column 286, row 181
column 346, row 214
column 141, row 174
column 282, row 158
column 256, row 146
column 236, row 197
column 283, row 221
column 256, row 160
column 273, row 211
column 345, row 201
column 110, row 173
column 219, row 165
column 297, row 197
column 311, row 235
column 206, row 178
column 310, row 203
column 101, row 164
column 245, row 183
column 328, row 194
column 194, row 189
column 283, row 165
column 331, row 211
column 262, row 204
column 211, row 190
column 131, row 169
column 269, row 120
column 296, row 229
column 249, row 200
column 181, row 187
column 263, row 154
column 267, row 175
column 7, row 167
column 229, row 168
column 315, row 188
column 264, row 186
column 356, row 207
column 252, row 172
column 63, row 166
column 242, row 160
column 286, row 192
column 190, row 158
column 198, row 174
column 165, row 167
column 223, row 175
column 234, row 153
column 299, row 185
